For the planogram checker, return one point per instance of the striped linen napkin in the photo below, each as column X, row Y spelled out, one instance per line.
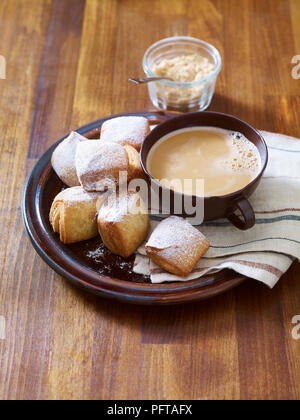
column 267, row 250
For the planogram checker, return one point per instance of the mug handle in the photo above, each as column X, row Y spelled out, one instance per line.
column 247, row 212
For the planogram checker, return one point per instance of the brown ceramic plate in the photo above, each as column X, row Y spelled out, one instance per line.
column 89, row 264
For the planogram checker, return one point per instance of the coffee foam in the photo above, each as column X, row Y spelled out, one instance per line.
column 245, row 156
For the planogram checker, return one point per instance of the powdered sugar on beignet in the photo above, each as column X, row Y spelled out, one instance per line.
column 63, row 159
column 73, row 214
column 75, row 195
column 176, row 245
column 119, row 206
column 126, row 130
column 123, row 223
column 98, row 164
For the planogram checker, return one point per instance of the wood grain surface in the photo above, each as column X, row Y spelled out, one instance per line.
column 67, row 63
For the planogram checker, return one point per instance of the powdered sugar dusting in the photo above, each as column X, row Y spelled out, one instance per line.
column 98, row 162
column 176, row 238
column 132, row 130
column 75, row 195
column 96, row 254
column 93, row 155
column 63, row 158
column 116, row 207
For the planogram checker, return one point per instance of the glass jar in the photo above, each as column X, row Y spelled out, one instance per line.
column 181, row 96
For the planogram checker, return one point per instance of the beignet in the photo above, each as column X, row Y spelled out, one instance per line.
column 73, row 214
column 134, row 166
column 63, row 159
column 176, row 245
column 98, row 164
column 126, row 130
column 123, row 223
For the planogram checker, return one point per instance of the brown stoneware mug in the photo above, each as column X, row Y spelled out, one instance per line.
column 215, row 207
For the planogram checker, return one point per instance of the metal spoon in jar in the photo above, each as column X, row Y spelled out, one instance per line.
column 149, row 79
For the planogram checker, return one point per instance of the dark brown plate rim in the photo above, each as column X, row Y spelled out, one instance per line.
column 139, row 293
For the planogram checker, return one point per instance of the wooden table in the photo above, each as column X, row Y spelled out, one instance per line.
column 67, row 63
